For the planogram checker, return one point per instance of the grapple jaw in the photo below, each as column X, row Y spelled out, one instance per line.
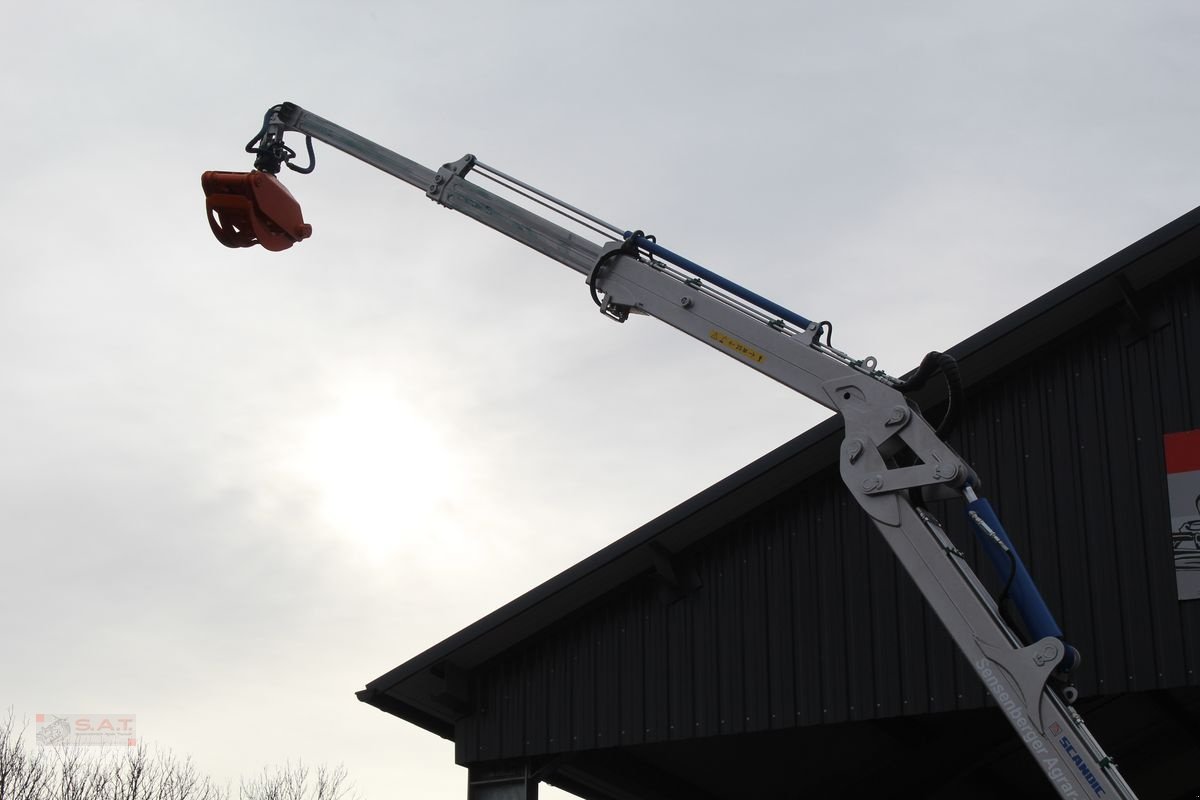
column 249, row 208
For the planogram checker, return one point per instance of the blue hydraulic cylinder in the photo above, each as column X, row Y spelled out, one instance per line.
column 716, row 280
column 1024, row 593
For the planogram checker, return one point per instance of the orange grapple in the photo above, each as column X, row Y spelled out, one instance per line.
column 249, row 208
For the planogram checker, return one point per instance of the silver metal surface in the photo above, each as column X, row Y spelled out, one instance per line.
column 1014, row 674
column 361, row 148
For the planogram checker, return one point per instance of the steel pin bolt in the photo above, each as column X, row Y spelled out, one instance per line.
column 945, row 472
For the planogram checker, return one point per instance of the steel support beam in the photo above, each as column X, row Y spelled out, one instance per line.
column 501, row 781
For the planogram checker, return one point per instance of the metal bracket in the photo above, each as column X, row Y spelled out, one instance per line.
column 1139, row 321
column 614, row 311
column 455, row 693
column 1027, row 671
column 677, row 577
column 908, row 477
column 441, row 180
column 858, row 458
column 879, row 425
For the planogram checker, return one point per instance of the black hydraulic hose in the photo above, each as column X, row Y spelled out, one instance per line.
column 931, row 365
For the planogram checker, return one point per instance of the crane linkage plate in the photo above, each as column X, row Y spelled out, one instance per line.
column 249, row 208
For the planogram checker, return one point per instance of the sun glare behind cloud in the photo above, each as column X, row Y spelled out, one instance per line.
column 383, row 473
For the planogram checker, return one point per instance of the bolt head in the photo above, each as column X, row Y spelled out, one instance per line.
column 945, row 472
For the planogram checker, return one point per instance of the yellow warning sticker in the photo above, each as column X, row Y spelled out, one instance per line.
column 736, row 346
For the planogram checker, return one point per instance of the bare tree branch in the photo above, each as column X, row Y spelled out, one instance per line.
column 50, row 771
column 23, row 775
column 291, row 782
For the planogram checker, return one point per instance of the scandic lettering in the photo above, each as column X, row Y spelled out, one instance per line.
column 1088, row 776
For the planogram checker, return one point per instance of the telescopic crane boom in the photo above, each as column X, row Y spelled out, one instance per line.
column 890, row 455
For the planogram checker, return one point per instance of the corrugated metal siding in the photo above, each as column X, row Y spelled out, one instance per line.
column 803, row 618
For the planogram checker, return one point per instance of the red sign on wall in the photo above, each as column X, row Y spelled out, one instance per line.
column 1183, row 489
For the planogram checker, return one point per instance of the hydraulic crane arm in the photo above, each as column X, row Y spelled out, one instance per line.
column 889, row 452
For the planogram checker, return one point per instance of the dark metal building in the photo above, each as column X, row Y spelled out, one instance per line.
column 759, row 641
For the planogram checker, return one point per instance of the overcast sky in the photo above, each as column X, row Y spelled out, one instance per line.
column 235, row 486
